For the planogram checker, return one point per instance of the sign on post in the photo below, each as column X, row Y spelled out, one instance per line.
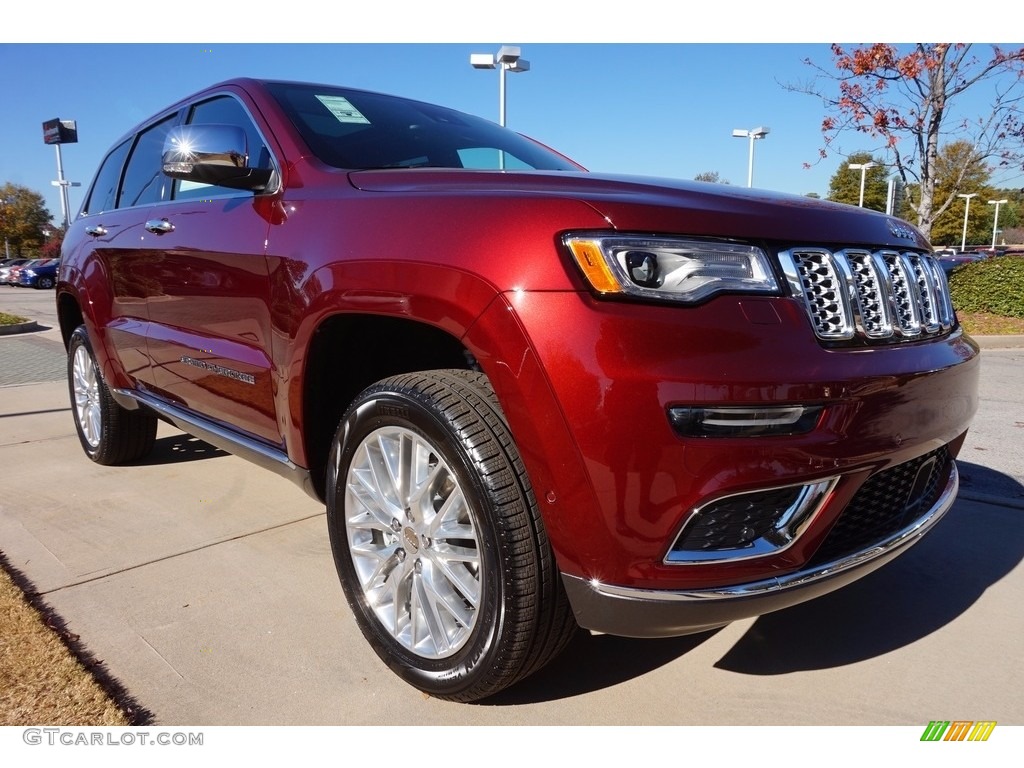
column 59, row 131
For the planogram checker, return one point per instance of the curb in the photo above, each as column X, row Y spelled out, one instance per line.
column 10, row 330
column 1000, row 342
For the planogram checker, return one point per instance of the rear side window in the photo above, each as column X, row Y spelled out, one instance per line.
column 144, row 181
column 103, row 196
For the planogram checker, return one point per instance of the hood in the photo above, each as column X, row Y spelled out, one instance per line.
column 666, row 206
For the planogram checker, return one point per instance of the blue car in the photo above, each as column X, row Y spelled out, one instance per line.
column 39, row 275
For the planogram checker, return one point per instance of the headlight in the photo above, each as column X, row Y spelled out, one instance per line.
column 670, row 269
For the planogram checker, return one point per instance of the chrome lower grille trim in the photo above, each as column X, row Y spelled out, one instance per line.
column 898, row 541
column 882, row 295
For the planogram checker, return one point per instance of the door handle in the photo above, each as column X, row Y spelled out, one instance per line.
column 159, row 226
column 96, row 230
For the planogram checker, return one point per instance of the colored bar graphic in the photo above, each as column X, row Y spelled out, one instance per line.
column 982, row 730
column 934, row 730
column 958, row 730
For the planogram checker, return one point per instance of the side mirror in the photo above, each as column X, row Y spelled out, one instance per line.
column 212, row 154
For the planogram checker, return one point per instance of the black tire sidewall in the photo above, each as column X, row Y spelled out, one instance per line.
column 460, row 671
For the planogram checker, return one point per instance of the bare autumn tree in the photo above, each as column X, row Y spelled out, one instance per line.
column 910, row 100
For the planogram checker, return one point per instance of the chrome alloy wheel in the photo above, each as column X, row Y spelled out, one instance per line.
column 413, row 541
column 86, row 385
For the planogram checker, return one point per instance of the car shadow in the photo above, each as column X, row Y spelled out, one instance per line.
column 976, row 545
column 593, row 662
column 175, row 449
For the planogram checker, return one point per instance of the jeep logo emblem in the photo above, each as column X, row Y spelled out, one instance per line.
column 899, row 229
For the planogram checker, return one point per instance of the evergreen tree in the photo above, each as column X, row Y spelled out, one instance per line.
column 845, row 184
column 710, row 176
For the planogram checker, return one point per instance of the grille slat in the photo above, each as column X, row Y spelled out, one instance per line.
column 875, row 295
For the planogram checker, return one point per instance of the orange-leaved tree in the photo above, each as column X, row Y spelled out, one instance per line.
column 908, row 99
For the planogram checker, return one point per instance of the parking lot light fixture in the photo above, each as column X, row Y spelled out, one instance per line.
column 967, row 207
column 753, row 134
column 995, row 221
column 507, row 59
column 863, row 168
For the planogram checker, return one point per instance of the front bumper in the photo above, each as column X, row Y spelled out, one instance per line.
column 632, row 612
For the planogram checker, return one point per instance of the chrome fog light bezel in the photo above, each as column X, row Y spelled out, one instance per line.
column 788, row 527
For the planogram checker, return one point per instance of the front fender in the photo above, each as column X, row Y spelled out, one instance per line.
column 537, row 421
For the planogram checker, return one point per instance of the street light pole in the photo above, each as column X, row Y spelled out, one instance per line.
column 863, row 168
column 7, row 248
column 753, row 134
column 59, row 132
column 995, row 221
column 506, row 59
column 967, row 207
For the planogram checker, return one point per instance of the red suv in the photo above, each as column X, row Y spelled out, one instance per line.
column 532, row 398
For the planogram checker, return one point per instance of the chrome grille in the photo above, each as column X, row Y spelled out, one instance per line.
column 874, row 295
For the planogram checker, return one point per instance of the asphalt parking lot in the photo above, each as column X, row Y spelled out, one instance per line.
column 206, row 586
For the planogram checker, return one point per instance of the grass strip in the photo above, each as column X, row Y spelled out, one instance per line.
column 46, row 675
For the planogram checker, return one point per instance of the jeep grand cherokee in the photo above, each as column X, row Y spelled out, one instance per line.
column 532, row 398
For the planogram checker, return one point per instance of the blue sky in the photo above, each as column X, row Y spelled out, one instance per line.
column 650, row 108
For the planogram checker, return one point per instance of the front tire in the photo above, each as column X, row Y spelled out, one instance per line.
column 109, row 433
column 437, row 537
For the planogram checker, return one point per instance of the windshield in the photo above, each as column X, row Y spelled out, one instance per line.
column 358, row 130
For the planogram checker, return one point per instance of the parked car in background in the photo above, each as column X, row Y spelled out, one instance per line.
column 13, row 275
column 41, row 274
column 532, row 398
column 951, row 262
column 7, row 266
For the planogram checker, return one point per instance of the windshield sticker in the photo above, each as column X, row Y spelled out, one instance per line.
column 342, row 109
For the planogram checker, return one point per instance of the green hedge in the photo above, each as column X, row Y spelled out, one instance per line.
column 994, row 285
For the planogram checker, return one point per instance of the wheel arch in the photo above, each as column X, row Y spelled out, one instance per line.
column 350, row 351
column 69, row 315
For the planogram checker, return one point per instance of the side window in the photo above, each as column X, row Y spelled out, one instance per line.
column 103, row 195
column 223, row 110
column 144, row 181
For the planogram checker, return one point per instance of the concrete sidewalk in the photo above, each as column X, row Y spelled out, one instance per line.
column 207, row 587
column 149, row 563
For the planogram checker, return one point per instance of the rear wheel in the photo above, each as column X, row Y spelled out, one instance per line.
column 109, row 433
column 437, row 537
